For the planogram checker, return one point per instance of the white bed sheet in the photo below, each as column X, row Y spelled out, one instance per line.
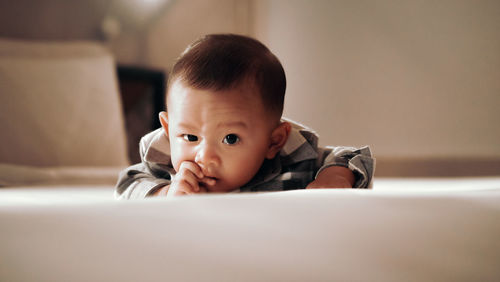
column 403, row 230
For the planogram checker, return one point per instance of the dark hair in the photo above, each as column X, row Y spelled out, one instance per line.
column 223, row 61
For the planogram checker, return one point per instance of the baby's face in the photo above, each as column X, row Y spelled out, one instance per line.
column 226, row 133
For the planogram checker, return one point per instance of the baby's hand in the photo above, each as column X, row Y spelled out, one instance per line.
column 187, row 180
column 333, row 177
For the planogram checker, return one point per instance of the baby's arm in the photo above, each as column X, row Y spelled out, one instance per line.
column 344, row 167
column 137, row 182
column 145, row 178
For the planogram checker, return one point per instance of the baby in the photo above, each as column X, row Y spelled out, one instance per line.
column 223, row 131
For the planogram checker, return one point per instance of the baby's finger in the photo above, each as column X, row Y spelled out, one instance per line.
column 176, row 190
column 208, row 181
column 180, row 187
column 191, row 166
column 187, row 181
column 192, row 169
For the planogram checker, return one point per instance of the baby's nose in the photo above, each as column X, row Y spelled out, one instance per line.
column 207, row 156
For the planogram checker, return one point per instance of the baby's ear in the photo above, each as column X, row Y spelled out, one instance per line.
column 279, row 136
column 164, row 121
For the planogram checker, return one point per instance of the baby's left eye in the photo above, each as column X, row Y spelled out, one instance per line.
column 231, row 139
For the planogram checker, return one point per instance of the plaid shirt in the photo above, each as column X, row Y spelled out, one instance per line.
column 297, row 164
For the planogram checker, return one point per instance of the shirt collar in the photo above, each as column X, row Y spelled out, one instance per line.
column 157, row 147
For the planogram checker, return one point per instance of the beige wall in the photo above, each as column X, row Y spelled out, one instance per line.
column 413, row 79
column 185, row 21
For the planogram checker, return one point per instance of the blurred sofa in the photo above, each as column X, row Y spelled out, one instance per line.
column 60, row 105
column 60, row 113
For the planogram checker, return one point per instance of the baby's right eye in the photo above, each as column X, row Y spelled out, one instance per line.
column 190, row 137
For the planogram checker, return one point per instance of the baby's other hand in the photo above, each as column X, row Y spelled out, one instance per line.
column 333, row 177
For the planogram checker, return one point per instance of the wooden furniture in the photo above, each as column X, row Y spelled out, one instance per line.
column 143, row 97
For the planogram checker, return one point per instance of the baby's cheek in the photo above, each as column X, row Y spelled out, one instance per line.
column 176, row 157
column 176, row 165
column 245, row 170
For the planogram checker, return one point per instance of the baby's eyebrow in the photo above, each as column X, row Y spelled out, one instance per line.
column 232, row 124
column 185, row 125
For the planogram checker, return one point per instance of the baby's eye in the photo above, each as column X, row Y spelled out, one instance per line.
column 231, row 139
column 190, row 137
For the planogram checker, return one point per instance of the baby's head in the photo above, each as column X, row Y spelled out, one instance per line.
column 221, row 62
column 224, row 101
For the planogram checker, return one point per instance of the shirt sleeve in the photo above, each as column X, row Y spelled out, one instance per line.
column 359, row 161
column 144, row 179
column 137, row 182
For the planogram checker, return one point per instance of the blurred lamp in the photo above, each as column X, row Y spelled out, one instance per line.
column 131, row 15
